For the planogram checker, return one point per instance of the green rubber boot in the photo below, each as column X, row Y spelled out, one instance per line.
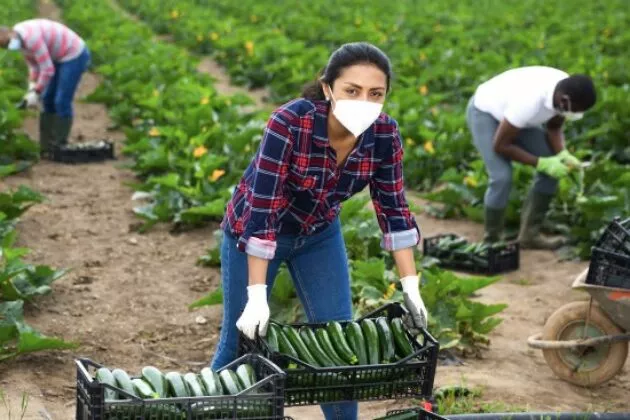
column 534, row 211
column 46, row 129
column 494, row 221
column 62, row 128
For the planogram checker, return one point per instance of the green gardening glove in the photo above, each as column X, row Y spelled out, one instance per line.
column 568, row 159
column 552, row 166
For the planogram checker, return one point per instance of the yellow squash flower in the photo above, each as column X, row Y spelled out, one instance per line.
column 470, row 181
column 214, row 36
column 423, row 90
column 174, row 14
column 249, row 47
column 428, row 147
column 409, row 141
column 390, row 291
column 200, row 151
column 154, row 132
column 205, row 100
column 216, row 174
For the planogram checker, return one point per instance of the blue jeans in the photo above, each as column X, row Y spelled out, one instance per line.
column 319, row 268
column 534, row 140
column 58, row 95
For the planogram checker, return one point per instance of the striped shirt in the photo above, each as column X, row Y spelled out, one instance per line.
column 45, row 42
column 294, row 186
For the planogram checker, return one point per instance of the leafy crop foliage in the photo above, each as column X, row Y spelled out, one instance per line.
column 440, row 53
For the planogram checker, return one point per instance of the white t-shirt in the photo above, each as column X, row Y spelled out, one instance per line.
column 523, row 96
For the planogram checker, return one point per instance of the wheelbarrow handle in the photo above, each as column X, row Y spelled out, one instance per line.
column 535, row 341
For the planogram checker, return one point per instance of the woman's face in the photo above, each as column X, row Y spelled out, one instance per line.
column 364, row 82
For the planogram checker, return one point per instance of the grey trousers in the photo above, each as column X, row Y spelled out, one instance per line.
column 483, row 126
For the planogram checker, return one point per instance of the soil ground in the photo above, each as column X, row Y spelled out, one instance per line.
column 126, row 296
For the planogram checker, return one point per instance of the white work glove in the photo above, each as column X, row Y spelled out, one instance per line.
column 418, row 315
column 256, row 312
column 31, row 85
column 31, row 99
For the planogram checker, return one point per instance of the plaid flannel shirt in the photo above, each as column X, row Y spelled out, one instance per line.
column 293, row 185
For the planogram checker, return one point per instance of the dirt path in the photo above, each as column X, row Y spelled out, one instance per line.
column 127, row 294
column 126, row 298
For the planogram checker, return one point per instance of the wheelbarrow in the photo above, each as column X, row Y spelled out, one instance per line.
column 586, row 342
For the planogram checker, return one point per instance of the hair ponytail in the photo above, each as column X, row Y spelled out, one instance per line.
column 313, row 90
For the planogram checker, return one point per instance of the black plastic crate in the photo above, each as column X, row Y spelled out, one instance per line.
column 616, row 237
column 411, row 414
column 494, row 262
column 83, row 152
column 609, row 269
column 412, row 376
column 265, row 400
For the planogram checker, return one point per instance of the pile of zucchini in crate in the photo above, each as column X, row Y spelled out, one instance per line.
column 368, row 342
column 154, row 384
column 458, row 253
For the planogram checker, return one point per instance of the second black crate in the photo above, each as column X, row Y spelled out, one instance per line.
column 84, row 152
column 609, row 269
column 264, row 400
column 616, row 237
column 411, row 376
column 493, row 261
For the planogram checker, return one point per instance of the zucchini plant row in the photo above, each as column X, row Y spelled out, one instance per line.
column 367, row 342
column 154, row 384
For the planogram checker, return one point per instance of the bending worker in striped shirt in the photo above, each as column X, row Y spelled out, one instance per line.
column 56, row 58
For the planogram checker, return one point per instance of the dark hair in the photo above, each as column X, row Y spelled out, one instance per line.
column 580, row 90
column 347, row 55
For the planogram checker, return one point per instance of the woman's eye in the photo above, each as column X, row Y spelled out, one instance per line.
column 377, row 94
column 351, row 91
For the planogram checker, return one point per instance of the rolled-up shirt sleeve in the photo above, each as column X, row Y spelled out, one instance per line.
column 398, row 225
column 266, row 196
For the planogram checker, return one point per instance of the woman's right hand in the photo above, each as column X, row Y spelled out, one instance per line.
column 256, row 312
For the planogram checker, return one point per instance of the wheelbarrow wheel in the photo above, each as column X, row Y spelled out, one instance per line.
column 583, row 366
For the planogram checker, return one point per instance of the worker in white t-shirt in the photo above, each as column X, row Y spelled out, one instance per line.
column 518, row 116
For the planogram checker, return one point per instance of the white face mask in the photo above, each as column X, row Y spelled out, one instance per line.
column 357, row 116
column 572, row 116
column 14, row 44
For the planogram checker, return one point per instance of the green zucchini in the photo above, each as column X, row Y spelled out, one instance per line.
column 299, row 346
column 246, row 375
column 386, row 340
column 104, row 376
column 403, row 346
column 154, row 377
column 175, row 385
column 211, row 382
column 340, row 343
column 143, row 389
column 371, row 341
column 357, row 342
column 272, row 338
column 124, row 381
column 285, row 345
column 194, row 386
column 308, row 336
column 324, row 341
column 230, row 381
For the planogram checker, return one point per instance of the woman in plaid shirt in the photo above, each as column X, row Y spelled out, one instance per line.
column 56, row 58
column 316, row 152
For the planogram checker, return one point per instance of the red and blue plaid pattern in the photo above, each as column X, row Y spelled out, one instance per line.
column 293, row 184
